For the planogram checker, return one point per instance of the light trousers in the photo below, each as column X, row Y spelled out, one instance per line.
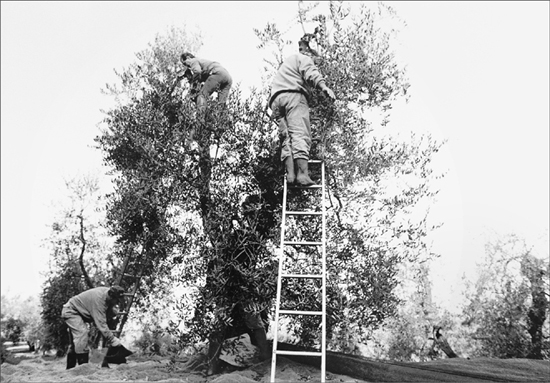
column 291, row 111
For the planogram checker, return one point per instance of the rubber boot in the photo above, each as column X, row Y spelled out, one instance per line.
column 290, row 173
column 71, row 359
column 261, row 340
column 302, row 178
column 82, row 358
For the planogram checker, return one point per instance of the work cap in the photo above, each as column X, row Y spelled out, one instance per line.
column 306, row 40
column 116, row 291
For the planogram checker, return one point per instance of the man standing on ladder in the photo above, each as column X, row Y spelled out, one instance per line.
column 214, row 76
column 290, row 92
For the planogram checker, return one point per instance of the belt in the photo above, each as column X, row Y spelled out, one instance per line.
column 272, row 98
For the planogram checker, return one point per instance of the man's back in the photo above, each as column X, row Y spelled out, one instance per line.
column 91, row 302
column 298, row 73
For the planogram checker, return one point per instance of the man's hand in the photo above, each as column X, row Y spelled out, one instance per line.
column 115, row 342
column 328, row 92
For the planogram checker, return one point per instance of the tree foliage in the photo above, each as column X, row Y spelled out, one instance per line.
column 26, row 314
column 174, row 204
column 183, row 209
column 79, row 256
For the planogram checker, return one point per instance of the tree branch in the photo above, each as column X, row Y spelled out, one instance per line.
column 89, row 282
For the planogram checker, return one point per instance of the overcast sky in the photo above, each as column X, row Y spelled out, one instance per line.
column 479, row 73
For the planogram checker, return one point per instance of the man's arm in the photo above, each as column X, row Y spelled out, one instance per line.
column 100, row 319
column 311, row 75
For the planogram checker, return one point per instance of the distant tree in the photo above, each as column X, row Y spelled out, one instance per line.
column 411, row 334
column 507, row 305
column 14, row 329
column 26, row 313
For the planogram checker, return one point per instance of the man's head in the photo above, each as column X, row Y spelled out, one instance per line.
column 185, row 56
column 304, row 45
column 115, row 293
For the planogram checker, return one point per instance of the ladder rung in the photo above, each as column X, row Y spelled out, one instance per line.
column 295, row 312
column 314, row 161
column 122, row 313
column 310, row 276
column 304, row 187
column 130, row 275
column 128, row 294
column 305, row 243
column 309, row 353
column 304, row 213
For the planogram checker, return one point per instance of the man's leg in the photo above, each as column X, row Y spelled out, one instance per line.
column 279, row 114
column 71, row 354
column 79, row 331
column 224, row 83
column 299, row 131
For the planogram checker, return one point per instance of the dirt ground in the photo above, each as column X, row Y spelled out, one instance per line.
column 37, row 368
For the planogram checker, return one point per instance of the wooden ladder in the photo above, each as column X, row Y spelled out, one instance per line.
column 303, row 274
column 129, row 277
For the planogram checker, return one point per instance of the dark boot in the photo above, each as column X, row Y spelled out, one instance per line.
column 261, row 340
column 71, row 359
column 215, row 343
column 82, row 358
column 302, row 178
column 214, row 351
column 290, row 173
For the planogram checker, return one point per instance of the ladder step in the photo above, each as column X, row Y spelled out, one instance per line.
column 304, row 213
column 305, row 187
column 308, row 353
column 314, row 161
column 128, row 294
column 305, row 243
column 295, row 312
column 125, row 274
column 130, row 275
column 122, row 313
column 310, row 276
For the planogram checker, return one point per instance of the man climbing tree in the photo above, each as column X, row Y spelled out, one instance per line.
column 290, row 92
column 214, row 76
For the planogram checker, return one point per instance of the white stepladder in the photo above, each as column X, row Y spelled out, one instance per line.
column 282, row 275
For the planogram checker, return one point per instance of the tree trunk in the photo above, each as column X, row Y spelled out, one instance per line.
column 215, row 342
column 89, row 282
column 216, row 338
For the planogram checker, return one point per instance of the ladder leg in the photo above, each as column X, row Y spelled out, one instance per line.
column 280, row 273
column 324, row 278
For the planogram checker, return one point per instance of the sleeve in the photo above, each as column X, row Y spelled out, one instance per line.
column 195, row 66
column 99, row 314
column 309, row 72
